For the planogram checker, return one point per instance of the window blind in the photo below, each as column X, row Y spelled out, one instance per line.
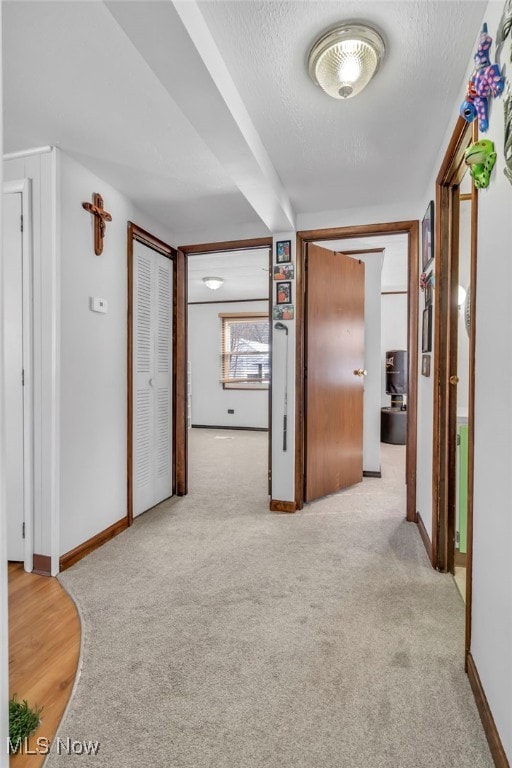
column 244, row 350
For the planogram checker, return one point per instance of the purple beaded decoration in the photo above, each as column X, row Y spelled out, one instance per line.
column 486, row 81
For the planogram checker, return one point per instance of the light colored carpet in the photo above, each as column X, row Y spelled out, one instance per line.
column 220, row 635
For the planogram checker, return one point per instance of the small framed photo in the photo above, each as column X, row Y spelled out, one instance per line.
column 284, row 272
column 425, row 365
column 283, row 312
column 283, row 293
column 427, row 237
column 283, row 251
column 429, row 288
column 426, row 330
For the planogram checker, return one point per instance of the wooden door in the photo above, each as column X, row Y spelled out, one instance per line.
column 334, row 372
column 14, row 406
column 152, row 377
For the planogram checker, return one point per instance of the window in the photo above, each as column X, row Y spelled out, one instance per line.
column 245, row 360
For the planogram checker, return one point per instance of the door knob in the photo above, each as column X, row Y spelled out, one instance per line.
column 454, row 380
column 360, row 372
column 151, row 382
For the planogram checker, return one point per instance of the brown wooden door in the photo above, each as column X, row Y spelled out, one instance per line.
column 334, row 352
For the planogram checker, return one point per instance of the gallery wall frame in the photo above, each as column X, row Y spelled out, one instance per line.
column 429, row 289
column 283, row 251
column 426, row 330
column 284, row 292
column 427, row 237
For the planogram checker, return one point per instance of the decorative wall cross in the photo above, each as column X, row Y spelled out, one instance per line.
column 100, row 218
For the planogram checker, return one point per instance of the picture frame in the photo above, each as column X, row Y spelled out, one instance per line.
column 425, row 365
column 429, row 289
column 426, row 330
column 284, row 292
column 284, row 272
column 427, row 237
column 283, row 251
column 283, row 312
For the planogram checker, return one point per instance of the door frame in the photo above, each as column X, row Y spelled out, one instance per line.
column 136, row 233
column 445, row 358
column 184, row 252
column 411, row 229
column 24, row 187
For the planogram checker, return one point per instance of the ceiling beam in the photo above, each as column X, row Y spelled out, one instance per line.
column 175, row 42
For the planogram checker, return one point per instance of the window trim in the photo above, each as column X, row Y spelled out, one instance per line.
column 243, row 385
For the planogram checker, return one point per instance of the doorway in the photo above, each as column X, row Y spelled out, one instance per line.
column 410, row 229
column 229, row 341
column 152, row 371
column 17, row 287
column 448, row 362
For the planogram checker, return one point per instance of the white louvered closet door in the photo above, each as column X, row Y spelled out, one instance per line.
column 152, row 378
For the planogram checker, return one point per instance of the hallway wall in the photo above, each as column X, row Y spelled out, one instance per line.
column 4, row 650
column 93, row 357
column 41, row 169
column 492, row 536
column 492, row 542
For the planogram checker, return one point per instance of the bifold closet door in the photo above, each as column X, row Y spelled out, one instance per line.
column 152, row 476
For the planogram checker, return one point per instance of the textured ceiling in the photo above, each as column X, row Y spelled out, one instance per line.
column 246, row 275
column 74, row 80
column 378, row 147
column 204, row 114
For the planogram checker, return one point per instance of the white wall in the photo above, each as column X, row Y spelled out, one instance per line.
column 372, row 383
column 492, row 536
column 93, row 358
column 393, row 333
column 42, row 169
column 210, row 401
column 4, row 654
column 283, row 462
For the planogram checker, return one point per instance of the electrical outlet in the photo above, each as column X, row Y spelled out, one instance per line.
column 231, row 410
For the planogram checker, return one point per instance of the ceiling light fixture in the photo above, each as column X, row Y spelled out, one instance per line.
column 344, row 59
column 213, row 283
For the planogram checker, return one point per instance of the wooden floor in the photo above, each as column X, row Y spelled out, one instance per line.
column 44, row 647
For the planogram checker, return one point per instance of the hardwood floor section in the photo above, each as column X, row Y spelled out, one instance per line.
column 44, row 647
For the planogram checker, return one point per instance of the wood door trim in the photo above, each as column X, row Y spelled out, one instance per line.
column 229, row 245
column 447, row 182
column 154, row 243
column 286, row 507
column 42, row 565
column 362, row 251
column 226, row 301
column 184, row 251
column 86, row 547
column 424, row 536
column 411, row 229
column 491, row 732
column 447, row 191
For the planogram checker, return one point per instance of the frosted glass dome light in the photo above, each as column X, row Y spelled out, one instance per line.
column 344, row 60
column 213, row 283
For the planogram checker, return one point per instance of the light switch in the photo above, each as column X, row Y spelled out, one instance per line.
column 98, row 305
